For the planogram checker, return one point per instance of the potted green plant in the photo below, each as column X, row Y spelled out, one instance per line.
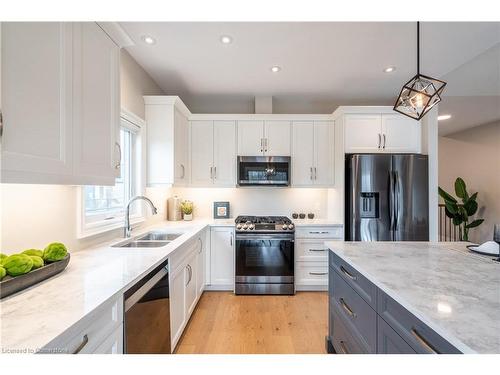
column 187, row 210
column 460, row 213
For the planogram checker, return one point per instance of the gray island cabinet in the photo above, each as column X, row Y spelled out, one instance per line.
column 364, row 319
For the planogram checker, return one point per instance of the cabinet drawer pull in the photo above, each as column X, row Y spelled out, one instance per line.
column 215, row 173
column 311, row 173
column 384, row 143
column 318, row 232
column 347, row 273
column 82, row 344
column 347, row 308
column 318, row 273
column 318, row 250
column 315, row 173
column 183, row 171
column 422, row 341
column 343, row 347
column 212, row 172
column 379, row 140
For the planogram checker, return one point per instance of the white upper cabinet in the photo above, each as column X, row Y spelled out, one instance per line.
column 313, row 160
column 37, row 102
column 60, row 104
column 386, row 132
column 213, row 153
column 263, row 138
column 250, row 138
column 181, row 148
column 363, row 133
column 96, row 103
column 324, row 153
column 401, row 134
column 168, row 141
column 303, row 153
column 277, row 138
column 202, row 152
column 224, row 153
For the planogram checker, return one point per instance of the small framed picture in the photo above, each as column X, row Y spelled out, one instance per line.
column 221, row 210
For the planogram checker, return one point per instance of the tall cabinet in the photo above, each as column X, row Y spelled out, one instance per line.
column 60, row 103
column 168, row 141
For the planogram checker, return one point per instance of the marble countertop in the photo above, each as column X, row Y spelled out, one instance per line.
column 35, row 316
column 453, row 291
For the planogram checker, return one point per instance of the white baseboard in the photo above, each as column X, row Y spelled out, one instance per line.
column 311, row 288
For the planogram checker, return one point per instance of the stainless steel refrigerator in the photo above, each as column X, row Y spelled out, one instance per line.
column 386, row 197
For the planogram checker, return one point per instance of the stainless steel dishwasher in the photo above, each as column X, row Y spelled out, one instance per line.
column 147, row 314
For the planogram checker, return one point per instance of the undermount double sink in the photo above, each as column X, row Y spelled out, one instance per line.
column 150, row 239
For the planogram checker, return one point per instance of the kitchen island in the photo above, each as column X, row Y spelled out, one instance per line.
column 413, row 297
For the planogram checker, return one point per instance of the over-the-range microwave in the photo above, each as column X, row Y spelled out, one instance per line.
column 263, row 170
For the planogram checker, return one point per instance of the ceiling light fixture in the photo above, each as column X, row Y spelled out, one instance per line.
column 275, row 69
column 148, row 39
column 420, row 93
column 389, row 69
column 444, row 117
column 226, row 39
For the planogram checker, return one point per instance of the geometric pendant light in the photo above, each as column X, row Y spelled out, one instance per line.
column 420, row 93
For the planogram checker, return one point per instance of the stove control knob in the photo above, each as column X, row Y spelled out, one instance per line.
column 244, row 226
column 290, row 226
column 285, row 227
column 238, row 226
column 251, row 226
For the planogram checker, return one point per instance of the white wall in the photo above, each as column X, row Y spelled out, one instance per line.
column 474, row 155
column 263, row 201
column 35, row 215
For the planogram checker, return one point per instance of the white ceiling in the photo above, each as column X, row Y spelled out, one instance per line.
column 324, row 65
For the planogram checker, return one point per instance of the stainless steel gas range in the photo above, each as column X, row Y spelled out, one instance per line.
column 264, row 255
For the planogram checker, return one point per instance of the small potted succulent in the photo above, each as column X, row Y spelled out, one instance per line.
column 187, row 210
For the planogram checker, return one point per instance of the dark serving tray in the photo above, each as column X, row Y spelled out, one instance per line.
column 10, row 285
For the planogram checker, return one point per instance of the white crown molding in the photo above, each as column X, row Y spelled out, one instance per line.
column 172, row 100
column 342, row 110
column 261, row 116
column 116, row 33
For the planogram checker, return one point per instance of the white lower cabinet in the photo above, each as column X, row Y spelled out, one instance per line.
column 190, row 277
column 222, row 258
column 113, row 344
column 187, row 282
column 100, row 332
column 311, row 255
column 177, row 305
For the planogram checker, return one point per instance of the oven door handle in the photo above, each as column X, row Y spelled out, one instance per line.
column 263, row 237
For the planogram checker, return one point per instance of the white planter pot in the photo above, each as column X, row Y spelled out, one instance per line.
column 188, row 217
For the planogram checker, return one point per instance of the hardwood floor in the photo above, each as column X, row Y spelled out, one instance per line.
column 224, row 323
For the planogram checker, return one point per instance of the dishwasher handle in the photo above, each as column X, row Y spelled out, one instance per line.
column 154, row 278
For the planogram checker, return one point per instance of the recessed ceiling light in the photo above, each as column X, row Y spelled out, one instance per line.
column 148, row 39
column 226, row 39
column 389, row 69
column 444, row 117
column 275, row 69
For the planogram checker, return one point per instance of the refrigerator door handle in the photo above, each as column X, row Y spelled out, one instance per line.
column 396, row 200
column 391, row 200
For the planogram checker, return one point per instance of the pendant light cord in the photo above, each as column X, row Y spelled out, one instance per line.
column 418, row 47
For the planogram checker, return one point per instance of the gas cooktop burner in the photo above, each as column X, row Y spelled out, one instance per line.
column 264, row 224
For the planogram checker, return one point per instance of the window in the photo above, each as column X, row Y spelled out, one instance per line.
column 103, row 207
